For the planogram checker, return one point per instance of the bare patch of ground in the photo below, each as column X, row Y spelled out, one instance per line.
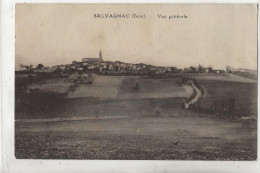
column 177, row 138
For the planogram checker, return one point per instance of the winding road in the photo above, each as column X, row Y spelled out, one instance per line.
column 196, row 98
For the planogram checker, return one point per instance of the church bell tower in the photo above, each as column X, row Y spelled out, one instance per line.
column 100, row 56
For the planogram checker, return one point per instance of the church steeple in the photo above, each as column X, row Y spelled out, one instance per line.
column 100, row 55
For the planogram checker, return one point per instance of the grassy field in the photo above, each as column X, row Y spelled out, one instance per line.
column 177, row 138
column 107, row 96
column 153, row 88
column 53, row 106
column 36, row 84
column 21, row 80
column 219, row 92
column 122, row 87
column 105, row 87
column 220, row 77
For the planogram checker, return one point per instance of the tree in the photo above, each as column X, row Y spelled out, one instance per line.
column 39, row 66
column 28, row 68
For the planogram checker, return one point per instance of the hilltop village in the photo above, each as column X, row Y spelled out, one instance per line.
column 99, row 66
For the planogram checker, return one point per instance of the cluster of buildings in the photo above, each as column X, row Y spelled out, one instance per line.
column 202, row 69
column 240, row 70
column 98, row 65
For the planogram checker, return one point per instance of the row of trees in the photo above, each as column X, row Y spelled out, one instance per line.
column 30, row 67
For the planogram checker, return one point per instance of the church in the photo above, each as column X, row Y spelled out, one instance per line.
column 93, row 60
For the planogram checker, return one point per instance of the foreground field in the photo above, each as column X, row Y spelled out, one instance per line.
column 179, row 138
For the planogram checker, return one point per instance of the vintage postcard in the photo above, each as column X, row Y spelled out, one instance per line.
column 136, row 81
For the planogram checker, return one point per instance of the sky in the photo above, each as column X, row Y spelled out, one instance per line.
column 215, row 35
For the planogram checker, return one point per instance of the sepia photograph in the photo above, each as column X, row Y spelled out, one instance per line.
column 136, row 81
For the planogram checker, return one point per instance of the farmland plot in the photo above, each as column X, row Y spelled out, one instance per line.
column 219, row 93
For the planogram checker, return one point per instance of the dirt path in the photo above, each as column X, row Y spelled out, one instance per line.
column 196, row 98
